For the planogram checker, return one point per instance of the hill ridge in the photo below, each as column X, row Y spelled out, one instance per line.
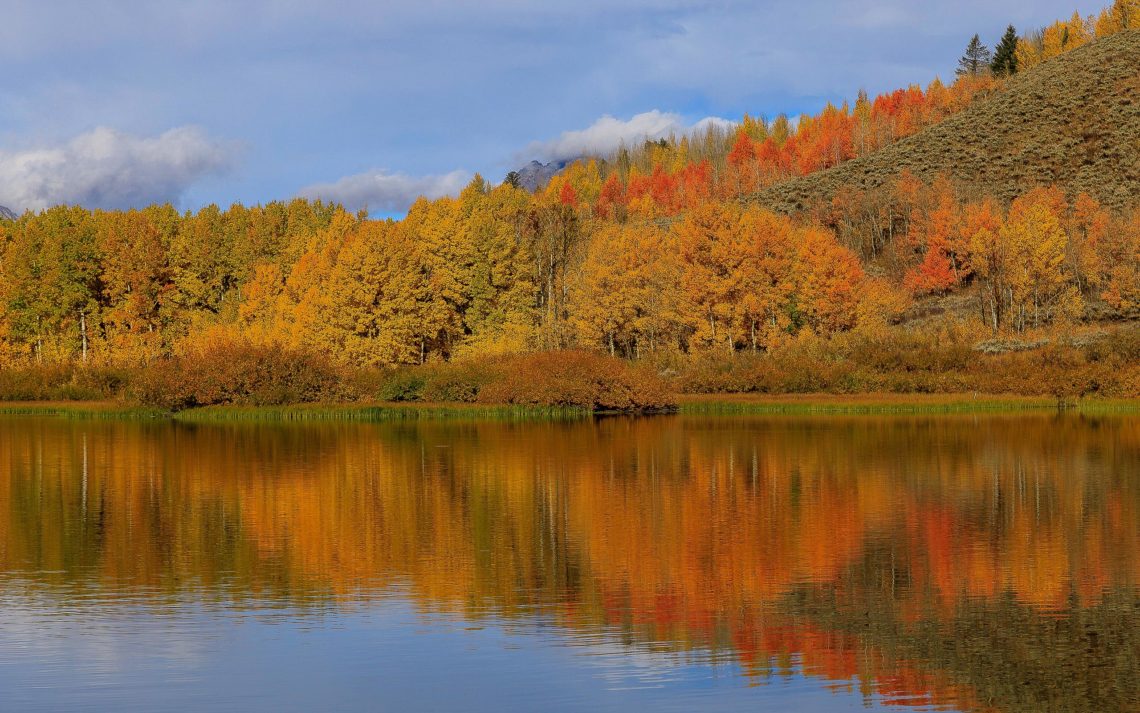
column 1073, row 121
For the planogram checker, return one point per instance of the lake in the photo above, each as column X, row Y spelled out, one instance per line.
column 674, row 563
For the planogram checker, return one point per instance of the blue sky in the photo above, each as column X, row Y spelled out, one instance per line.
column 117, row 103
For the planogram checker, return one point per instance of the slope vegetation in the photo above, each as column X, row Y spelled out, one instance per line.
column 1073, row 121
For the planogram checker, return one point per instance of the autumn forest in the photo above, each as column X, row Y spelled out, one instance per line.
column 832, row 410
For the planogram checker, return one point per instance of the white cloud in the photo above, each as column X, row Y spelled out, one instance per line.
column 381, row 191
column 105, row 168
column 608, row 133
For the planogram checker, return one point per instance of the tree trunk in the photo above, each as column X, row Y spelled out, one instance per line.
column 83, row 332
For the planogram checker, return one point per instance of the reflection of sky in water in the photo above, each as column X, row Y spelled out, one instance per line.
column 384, row 655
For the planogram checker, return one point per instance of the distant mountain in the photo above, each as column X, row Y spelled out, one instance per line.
column 1073, row 121
column 6, row 214
column 534, row 176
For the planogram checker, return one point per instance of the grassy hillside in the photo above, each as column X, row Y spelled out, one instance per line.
column 1073, row 121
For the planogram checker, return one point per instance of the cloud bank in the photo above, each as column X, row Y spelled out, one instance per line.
column 386, row 192
column 105, row 168
column 380, row 191
column 608, row 133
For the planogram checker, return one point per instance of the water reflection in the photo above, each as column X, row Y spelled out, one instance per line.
column 978, row 563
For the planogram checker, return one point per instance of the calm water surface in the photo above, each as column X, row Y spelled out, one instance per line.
column 674, row 563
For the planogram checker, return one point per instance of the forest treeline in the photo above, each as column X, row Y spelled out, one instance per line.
column 649, row 255
column 1064, row 35
column 499, row 270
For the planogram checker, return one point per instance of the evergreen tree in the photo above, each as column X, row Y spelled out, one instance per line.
column 976, row 60
column 513, row 179
column 1005, row 54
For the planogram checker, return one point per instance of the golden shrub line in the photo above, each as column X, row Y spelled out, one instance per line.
column 900, row 362
column 572, row 378
column 244, row 374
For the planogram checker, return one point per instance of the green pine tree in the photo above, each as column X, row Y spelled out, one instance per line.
column 976, row 60
column 1005, row 54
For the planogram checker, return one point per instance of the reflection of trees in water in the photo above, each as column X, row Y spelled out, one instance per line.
column 924, row 554
column 1007, row 655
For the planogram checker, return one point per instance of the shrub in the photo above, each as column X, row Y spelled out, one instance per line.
column 1121, row 346
column 163, row 384
column 405, row 384
column 577, row 379
column 729, row 374
column 105, row 381
column 460, row 381
column 942, row 361
column 32, row 383
column 60, row 382
column 239, row 374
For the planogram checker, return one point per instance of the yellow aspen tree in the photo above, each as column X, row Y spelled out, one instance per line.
column 439, row 262
column 1121, row 15
column 500, row 314
column 982, row 225
column 259, row 311
column 767, row 281
column 1030, row 51
column 1040, row 291
column 827, row 277
column 1087, row 226
column 624, row 297
column 1121, row 265
column 714, row 256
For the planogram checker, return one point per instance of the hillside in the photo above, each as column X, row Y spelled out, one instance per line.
column 1073, row 121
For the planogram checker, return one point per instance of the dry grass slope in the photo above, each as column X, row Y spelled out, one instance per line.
column 1073, row 121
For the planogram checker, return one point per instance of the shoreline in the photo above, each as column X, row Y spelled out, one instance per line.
column 891, row 403
column 360, row 412
column 687, row 405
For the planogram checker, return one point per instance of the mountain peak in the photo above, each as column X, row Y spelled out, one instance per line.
column 535, row 175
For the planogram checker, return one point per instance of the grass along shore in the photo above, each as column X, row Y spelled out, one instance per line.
column 689, row 405
column 361, row 412
column 887, row 403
